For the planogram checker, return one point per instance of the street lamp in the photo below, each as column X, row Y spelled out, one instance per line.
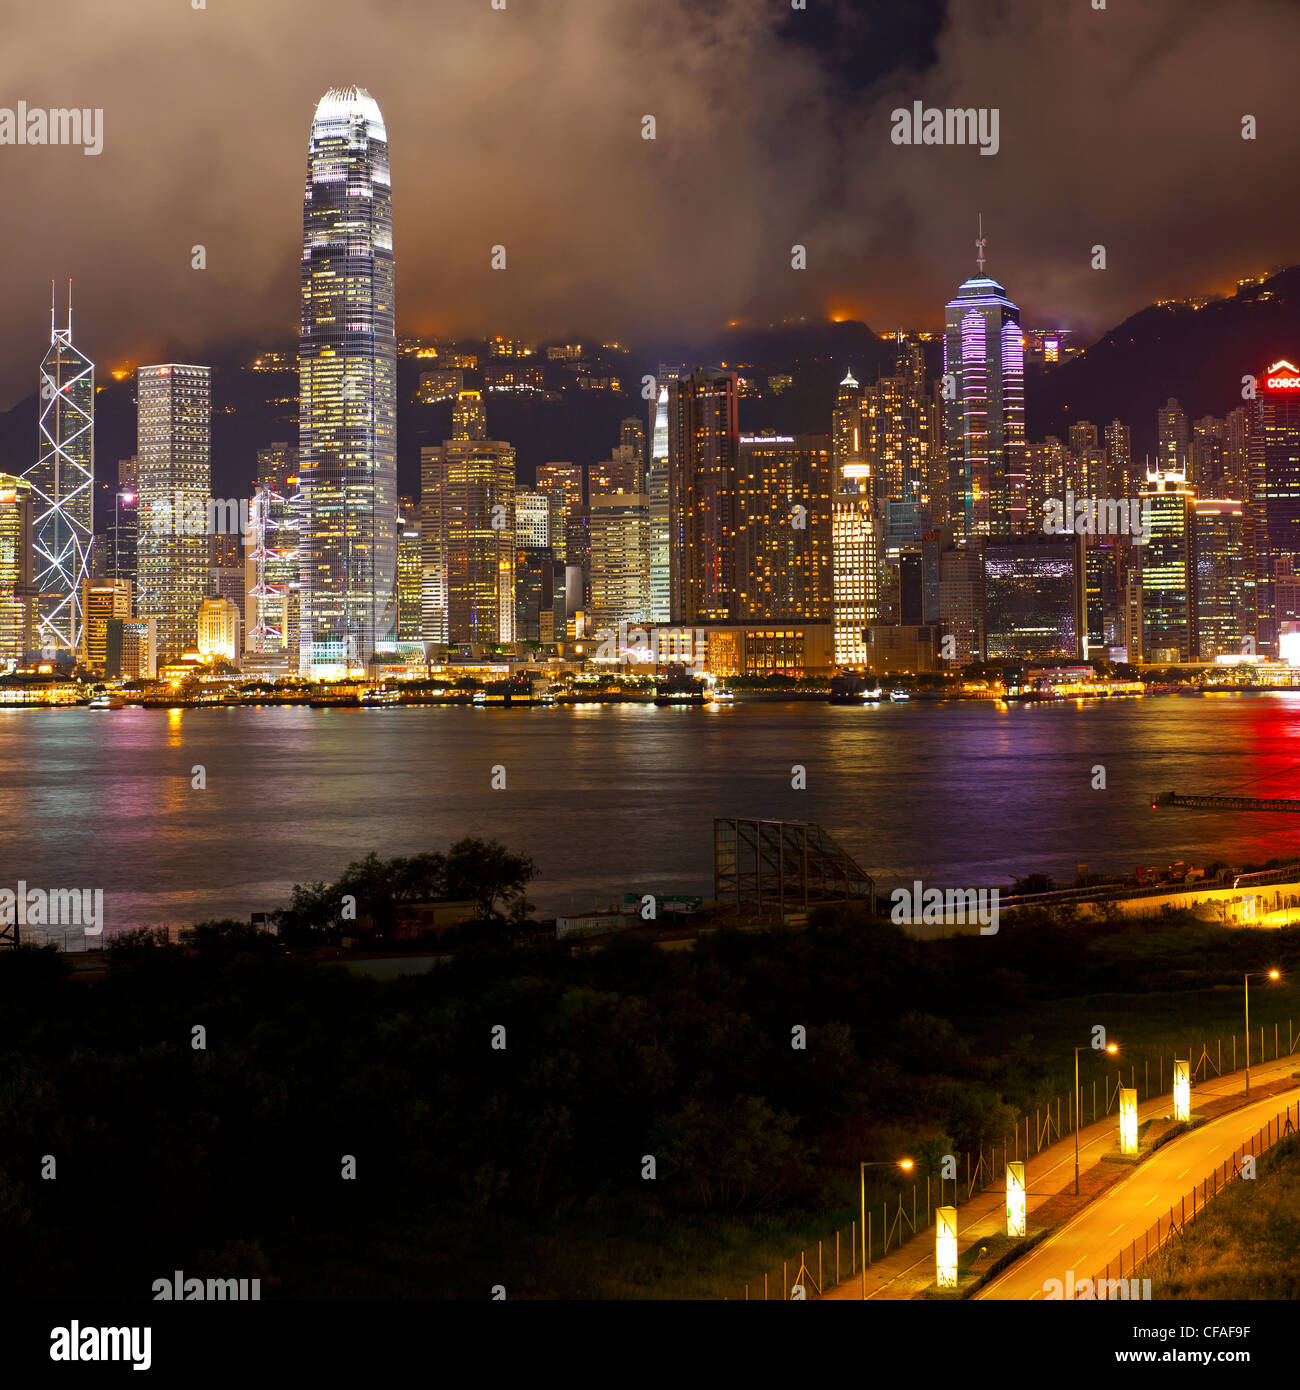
column 1246, row 979
column 906, row 1164
column 1111, row 1048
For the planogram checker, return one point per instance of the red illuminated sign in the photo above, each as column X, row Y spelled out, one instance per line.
column 1282, row 376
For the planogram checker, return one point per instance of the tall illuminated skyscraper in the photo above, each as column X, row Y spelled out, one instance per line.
column 17, row 594
column 703, row 453
column 62, row 485
column 984, row 409
column 174, row 449
column 1169, row 569
column 348, row 383
column 855, row 558
column 657, row 490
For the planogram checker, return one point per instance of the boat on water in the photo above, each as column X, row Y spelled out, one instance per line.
column 107, row 702
column 899, row 697
column 682, row 690
column 723, row 696
column 853, row 690
column 381, row 697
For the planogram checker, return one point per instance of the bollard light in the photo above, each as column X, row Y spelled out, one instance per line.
column 1015, row 1199
column 1182, row 1091
column 945, row 1247
column 1128, row 1120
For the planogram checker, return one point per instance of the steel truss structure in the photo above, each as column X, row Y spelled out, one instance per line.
column 785, row 864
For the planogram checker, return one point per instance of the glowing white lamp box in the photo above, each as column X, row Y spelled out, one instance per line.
column 1015, row 1199
column 945, row 1247
column 1288, row 643
column 1182, row 1091
column 1128, row 1120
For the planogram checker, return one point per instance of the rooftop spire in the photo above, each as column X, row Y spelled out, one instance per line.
column 849, row 379
column 979, row 247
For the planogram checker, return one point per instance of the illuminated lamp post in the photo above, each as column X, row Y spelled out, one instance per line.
column 906, row 1164
column 1015, row 1199
column 1111, row 1048
column 1246, row 979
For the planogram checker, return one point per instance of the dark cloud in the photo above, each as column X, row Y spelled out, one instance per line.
column 523, row 127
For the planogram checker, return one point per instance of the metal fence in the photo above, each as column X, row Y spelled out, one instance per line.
column 892, row 1222
column 1173, row 1224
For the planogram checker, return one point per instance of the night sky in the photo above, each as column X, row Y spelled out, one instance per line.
column 523, row 127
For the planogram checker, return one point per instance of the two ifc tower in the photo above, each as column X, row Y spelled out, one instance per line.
column 347, row 413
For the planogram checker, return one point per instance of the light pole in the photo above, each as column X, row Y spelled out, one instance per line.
column 906, row 1165
column 1246, row 978
column 1112, row 1048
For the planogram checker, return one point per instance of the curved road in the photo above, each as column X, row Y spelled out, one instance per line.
column 1126, row 1211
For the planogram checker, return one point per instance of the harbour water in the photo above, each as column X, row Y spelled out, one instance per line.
column 621, row 798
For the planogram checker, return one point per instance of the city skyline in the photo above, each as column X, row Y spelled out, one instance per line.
column 833, row 110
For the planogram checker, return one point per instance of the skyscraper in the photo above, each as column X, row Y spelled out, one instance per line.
column 17, row 593
column 348, row 388
column 62, row 487
column 657, row 491
column 703, row 448
column 1169, row 570
column 984, row 409
column 784, row 494
column 1225, row 576
column 1172, row 440
column 1273, row 442
column 855, row 567
column 467, row 502
column 620, row 558
column 174, row 449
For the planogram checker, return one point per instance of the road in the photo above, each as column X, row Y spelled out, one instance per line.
column 1125, row 1212
column 894, row 1275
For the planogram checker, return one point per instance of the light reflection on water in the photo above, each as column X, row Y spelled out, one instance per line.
column 614, row 799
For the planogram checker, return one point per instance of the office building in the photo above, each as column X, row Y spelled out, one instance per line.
column 657, row 491
column 174, row 452
column 1034, row 597
column 1168, row 570
column 103, row 601
column 62, row 491
column 467, row 502
column 620, row 559
column 1223, row 544
column 348, row 390
column 17, row 591
column 784, row 492
column 218, row 630
column 703, row 450
column 984, row 421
